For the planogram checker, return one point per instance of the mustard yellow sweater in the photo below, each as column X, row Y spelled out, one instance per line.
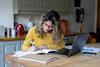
column 45, row 41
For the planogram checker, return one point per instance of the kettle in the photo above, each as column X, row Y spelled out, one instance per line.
column 19, row 30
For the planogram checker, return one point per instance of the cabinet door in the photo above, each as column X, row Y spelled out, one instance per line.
column 15, row 6
column 21, row 42
column 8, row 47
column 49, row 4
column 18, row 45
column 62, row 6
column 11, row 47
column 40, row 6
column 1, row 55
column 30, row 5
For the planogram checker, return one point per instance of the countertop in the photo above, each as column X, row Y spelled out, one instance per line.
column 12, row 38
column 78, row 60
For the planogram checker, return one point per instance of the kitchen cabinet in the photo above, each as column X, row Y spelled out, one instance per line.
column 34, row 5
column 1, row 56
column 8, row 47
column 40, row 6
column 15, row 6
column 59, row 5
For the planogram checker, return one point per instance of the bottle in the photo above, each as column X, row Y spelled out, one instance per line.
column 30, row 23
column 13, row 32
column 8, row 32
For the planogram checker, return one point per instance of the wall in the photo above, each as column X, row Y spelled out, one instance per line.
column 90, row 14
column 25, row 19
column 6, row 13
column 89, row 22
column 98, row 15
column 73, row 26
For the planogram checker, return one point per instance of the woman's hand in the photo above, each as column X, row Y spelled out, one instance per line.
column 32, row 49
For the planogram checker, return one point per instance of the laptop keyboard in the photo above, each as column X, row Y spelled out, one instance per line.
column 62, row 51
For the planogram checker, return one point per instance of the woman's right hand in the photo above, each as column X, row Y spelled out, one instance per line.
column 32, row 49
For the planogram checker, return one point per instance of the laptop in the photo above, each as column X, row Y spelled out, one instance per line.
column 77, row 45
column 68, row 40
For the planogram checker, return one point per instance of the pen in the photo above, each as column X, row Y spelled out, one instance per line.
column 33, row 45
column 31, row 42
column 89, row 53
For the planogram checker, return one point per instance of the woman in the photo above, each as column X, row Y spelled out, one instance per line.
column 46, row 35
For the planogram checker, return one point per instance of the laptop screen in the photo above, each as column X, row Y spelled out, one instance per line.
column 78, row 43
column 69, row 40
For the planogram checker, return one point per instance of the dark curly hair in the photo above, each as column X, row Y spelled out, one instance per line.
column 51, row 15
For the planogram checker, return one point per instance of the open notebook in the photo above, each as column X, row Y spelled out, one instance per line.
column 42, row 51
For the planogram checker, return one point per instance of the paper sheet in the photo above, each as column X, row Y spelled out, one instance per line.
column 91, row 49
column 20, row 53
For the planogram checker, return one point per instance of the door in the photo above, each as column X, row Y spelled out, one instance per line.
column 11, row 47
column 8, row 47
column 1, row 55
column 98, row 21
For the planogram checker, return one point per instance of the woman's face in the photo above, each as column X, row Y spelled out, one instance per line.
column 47, row 26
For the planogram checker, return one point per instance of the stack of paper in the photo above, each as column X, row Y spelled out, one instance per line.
column 43, row 51
column 20, row 53
column 39, row 58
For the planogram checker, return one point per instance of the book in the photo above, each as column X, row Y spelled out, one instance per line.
column 43, row 51
column 45, row 58
column 20, row 53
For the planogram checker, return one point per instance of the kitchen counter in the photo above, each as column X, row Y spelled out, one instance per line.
column 9, row 45
column 78, row 60
column 12, row 38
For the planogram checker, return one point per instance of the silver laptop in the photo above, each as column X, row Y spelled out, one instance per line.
column 77, row 45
